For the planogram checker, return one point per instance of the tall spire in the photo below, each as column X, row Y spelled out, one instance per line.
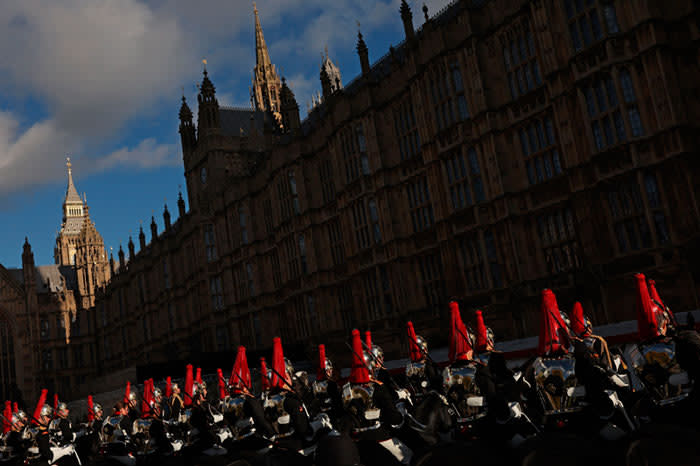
column 262, row 56
column 72, row 195
column 266, row 82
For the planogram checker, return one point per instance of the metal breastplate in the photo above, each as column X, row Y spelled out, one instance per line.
column 656, row 367
column 141, row 435
column 362, row 396
column 460, row 385
column 320, row 391
column 557, row 383
column 53, row 425
column 185, row 416
column 111, row 429
column 277, row 415
column 234, row 406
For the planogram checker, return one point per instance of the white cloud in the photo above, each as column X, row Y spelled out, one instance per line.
column 147, row 154
column 96, row 65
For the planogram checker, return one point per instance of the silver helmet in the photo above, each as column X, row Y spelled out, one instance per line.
column 422, row 344
column 289, row 368
column 22, row 415
column 133, row 396
column 62, row 407
column 329, row 367
column 46, row 411
column 97, row 409
column 157, row 394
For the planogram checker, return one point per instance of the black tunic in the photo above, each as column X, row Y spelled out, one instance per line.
column 66, row 431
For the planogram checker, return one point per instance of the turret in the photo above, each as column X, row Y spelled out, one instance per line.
column 166, row 217
column 363, row 53
column 122, row 262
column 290, row 108
column 142, row 239
column 180, row 205
column 407, row 18
column 132, row 250
column 208, row 118
column 326, row 84
column 154, row 229
column 28, row 265
column 188, row 137
column 111, row 262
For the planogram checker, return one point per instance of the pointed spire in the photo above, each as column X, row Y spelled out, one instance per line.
column 72, row 195
column 362, row 51
column 407, row 18
column 132, row 250
column 122, row 262
column 111, row 261
column 425, row 13
column 154, row 229
column 27, row 254
column 289, row 108
column 185, row 112
column 180, row 205
column 142, row 238
column 266, row 82
column 166, row 217
column 262, row 56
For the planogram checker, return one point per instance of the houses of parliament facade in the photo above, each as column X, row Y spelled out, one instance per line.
column 504, row 147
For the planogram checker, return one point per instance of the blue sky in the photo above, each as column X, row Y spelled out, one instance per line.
column 100, row 81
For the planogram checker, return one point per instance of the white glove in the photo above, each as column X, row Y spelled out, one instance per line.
column 403, row 394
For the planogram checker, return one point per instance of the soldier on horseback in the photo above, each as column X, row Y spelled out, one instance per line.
column 371, row 414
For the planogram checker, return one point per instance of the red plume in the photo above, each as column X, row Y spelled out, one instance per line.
column 240, row 372
column 168, row 387
column 127, row 392
column 554, row 336
column 368, row 340
column 482, row 337
column 321, row 374
column 655, row 296
column 189, row 381
column 460, row 346
column 263, row 372
column 145, row 401
column 359, row 372
column 15, row 408
column 646, row 311
column 278, row 365
column 221, row 383
column 39, row 405
column 414, row 351
column 55, row 405
column 91, row 409
column 578, row 321
column 6, row 425
column 198, row 379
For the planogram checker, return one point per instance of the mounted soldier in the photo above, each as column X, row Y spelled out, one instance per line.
column 422, row 373
column 283, row 407
column 371, row 411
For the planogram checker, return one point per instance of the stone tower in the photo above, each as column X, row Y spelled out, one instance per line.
column 80, row 245
column 265, row 93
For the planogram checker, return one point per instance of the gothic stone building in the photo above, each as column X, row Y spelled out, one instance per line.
column 46, row 321
column 504, row 147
